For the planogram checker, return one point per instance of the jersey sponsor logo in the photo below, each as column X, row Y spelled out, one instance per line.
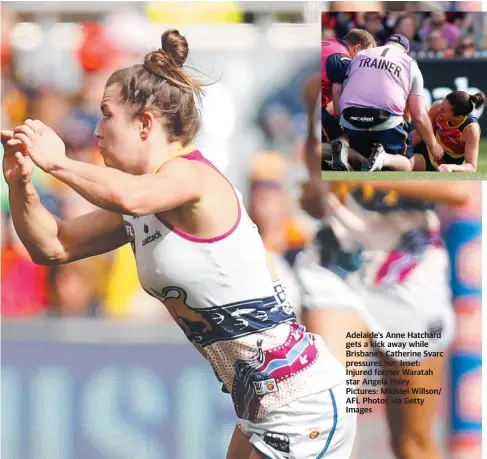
column 362, row 118
column 151, row 238
column 267, row 386
column 278, row 441
column 130, row 231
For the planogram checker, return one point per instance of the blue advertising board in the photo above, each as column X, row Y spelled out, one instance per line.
column 111, row 401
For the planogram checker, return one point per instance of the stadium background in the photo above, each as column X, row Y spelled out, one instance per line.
column 452, row 56
column 91, row 366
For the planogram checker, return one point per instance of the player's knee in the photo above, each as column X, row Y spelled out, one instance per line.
column 414, row 445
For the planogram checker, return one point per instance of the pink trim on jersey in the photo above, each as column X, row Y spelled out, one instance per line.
column 196, row 155
column 396, row 269
column 399, row 265
column 288, row 364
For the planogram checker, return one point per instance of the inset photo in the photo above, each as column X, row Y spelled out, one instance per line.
column 404, row 92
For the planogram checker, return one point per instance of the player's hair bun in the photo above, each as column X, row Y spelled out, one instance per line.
column 478, row 99
column 174, row 44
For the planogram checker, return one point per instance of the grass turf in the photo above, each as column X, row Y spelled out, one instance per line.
column 481, row 173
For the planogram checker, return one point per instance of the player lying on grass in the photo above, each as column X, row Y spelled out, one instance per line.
column 457, row 130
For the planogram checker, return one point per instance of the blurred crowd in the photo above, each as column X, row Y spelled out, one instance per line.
column 437, row 33
column 107, row 285
column 64, row 89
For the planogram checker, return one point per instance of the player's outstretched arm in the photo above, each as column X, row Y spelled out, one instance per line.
column 177, row 182
column 456, row 193
column 432, row 114
column 312, row 150
column 336, row 91
column 420, row 115
column 471, row 137
column 422, row 123
column 51, row 241
column 48, row 239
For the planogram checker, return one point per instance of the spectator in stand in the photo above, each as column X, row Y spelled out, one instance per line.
column 72, row 290
column 470, row 6
column 466, row 47
column 328, row 34
column 406, row 25
column 341, row 23
column 24, row 284
column 437, row 22
column 435, row 31
column 373, row 25
column 51, row 105
column 437, row 43
column 77, row 133
column 14, row 101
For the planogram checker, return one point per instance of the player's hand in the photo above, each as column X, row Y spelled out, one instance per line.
column 17, row 168
column 437, row 151
column 42, row 144
column 311, row 198
column 446, row 168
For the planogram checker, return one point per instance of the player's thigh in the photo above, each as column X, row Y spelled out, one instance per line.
column 240, row 447
column 396, row 141
column 414, row 416
column 419, row 163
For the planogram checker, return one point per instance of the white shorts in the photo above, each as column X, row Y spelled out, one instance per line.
column 313, row 427
column 420, row 304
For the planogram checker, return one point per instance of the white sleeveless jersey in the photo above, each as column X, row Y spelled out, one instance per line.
column 225, row 296
column 381, row 235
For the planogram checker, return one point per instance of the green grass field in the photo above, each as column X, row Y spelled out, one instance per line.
column 481, row 173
